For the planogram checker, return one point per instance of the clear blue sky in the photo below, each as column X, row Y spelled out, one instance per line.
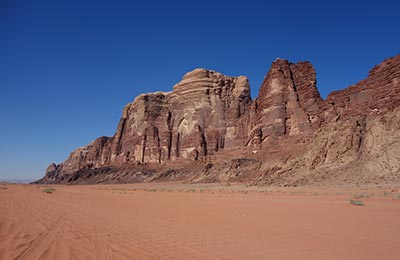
column 67, row 68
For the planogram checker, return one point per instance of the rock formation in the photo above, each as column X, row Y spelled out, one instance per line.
column 202, row 115
column 377, row 94
column 209, row 129
column 288, row 103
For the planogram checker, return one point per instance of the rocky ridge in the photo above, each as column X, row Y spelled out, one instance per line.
column 208, row 129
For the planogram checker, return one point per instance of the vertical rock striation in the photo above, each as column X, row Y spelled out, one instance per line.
column 288, row 103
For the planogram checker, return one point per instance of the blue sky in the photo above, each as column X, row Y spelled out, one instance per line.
column 67, row 68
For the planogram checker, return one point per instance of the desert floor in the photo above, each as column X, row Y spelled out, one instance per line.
column 176, row 221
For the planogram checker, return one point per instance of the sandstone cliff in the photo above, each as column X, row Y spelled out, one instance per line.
column 209, row 129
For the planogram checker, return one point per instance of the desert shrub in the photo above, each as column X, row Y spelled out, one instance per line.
column 357, row 202
column 49, row 190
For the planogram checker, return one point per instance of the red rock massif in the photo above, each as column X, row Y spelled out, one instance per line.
column 208, row 129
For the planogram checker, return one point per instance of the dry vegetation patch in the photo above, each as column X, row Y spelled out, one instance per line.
column 49, row 190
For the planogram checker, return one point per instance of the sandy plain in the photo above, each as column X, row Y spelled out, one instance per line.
column 176, row 221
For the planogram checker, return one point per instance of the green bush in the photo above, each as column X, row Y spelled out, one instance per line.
column 357, row 202
column 49, row 190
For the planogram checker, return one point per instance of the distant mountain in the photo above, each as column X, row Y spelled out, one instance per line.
column 19, row 181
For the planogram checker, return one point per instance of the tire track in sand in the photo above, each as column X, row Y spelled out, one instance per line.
column 102, row 249
column 38, row 247
column 127, row 239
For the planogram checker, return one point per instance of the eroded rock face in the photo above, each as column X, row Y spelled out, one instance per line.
column 288, row 103
column 198, row 118
column 93, row 155
column 202, row 115
column 377, row 94
column 349, row 151
column 287, row 136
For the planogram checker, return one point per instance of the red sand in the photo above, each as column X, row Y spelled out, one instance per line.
column 121, row 222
